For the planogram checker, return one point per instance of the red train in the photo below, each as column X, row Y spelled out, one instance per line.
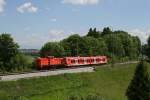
column 51, row 62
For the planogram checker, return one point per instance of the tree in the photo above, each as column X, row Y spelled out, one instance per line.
column 52, row 49
column 144, row 49
column 148, row 41
column 131, row 44
column 8, row 49
column 114, row 44
column 137, row 43
column 148, row 48
column 74, row 45
column 139, row 88
column 106, row 31
column 95, row 46
column 21, row 62
column 90, row 33
column 93, row 33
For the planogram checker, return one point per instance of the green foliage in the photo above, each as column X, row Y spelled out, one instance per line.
column 110, row 43
column 148, row 41
column 144, row 49
column 8, row 50
column 93, row 97
column 95, row 46
column 52, row 49
column 10, row 58
column 106, row 31
column 148, row 48
column 114, row 45
column 84, row 46
column 89, row 97
column 74, row 45
column 139, row 88
column 21, row 62
column 93, row 33
column 121, row 44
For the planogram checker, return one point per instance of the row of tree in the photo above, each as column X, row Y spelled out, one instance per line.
column 111, row 43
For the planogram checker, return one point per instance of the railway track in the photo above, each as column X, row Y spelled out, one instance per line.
column 55, row 69
column 45, row 73
column 35, row 73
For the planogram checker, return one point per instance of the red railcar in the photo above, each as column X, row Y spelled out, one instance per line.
column 76, row 61
column 41, row 63
column 50, row 62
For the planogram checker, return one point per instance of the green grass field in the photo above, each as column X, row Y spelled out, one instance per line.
column 108, row 83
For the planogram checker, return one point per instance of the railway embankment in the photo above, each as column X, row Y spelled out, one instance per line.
column 45, row 73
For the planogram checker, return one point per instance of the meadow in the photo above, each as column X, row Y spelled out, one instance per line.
column 106, row 82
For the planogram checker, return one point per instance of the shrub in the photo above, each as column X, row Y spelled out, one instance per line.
column 21, row 62
column 139, row 88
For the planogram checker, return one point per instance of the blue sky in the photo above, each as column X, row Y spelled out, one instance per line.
column 35, row 22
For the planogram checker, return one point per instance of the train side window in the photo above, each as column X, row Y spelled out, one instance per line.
column 103, row 59
column 88, row 60
column 97, row 60
column 72, row 61
column 79, row 61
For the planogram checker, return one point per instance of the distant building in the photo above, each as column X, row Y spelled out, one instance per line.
column 30, row 51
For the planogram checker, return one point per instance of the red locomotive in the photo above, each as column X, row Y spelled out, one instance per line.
column 51, row 62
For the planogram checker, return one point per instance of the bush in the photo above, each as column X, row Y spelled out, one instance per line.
column 139, row 88
column 52, row 49
column 21, row 62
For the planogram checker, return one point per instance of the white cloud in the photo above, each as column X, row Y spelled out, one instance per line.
column 27, row 7
column 81, row 2
column 2, row 4
column 37, row 40
column 56, row 32
column 143, row 35
column 57, row 35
